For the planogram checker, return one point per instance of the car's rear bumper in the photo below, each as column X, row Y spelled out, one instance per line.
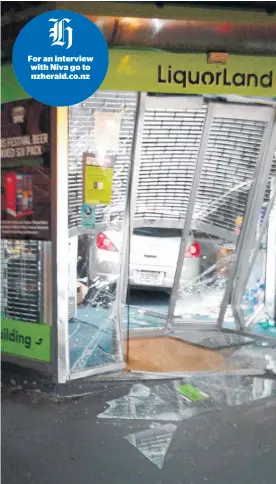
column 167, row 281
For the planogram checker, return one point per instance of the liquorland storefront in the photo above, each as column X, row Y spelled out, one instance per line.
column 156, row 215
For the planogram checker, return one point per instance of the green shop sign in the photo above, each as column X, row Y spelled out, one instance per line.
column 164, row 72
column 27, row 340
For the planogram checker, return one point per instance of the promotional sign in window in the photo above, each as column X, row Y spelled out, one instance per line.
column 97, row 179
column 25, row 170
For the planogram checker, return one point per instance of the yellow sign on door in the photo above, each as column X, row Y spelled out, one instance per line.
column 97, row 185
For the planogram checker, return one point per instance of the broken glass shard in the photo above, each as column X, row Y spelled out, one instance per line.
column 160, row 402
column 165, row 402
column 257, row 357
column 232, row 390
column 153, row 443
column 214, row 339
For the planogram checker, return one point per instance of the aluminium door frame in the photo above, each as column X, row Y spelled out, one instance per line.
column 146, row 102
column 189, row 214
column 120, row 298
column 60, row 246
column 224, row 111
column 128, row 218
column 270, row 285
column 250, row 250
column 247, row 240
column 239, row 289
column 60, row 350
column 129, row 222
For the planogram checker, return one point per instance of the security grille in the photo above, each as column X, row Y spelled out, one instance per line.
column 171, row 141
column 81, row 139
column 170, row 145
column 228, row 171
column 21, row 288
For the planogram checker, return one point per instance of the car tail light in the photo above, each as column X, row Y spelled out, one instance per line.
column 104, row 243
column 193, row 250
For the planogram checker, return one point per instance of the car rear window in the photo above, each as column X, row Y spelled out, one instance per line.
column 157, row 232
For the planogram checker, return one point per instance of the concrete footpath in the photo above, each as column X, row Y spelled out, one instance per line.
column 46, row 440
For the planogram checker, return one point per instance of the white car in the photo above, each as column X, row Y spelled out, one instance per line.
column 153, row 257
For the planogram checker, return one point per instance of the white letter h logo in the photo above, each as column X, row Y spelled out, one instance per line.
column 58, row 32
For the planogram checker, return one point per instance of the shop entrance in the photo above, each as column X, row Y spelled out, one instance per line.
column 201, row 194
column 161, row 258
column 171, row 253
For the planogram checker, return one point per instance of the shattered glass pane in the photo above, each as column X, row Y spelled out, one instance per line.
column 145, row 317
column 165, row 401
column 214, row 391
column 253, row 299
column 258, row 301
column 154, row 442
column 217, row 218
column 160, row 402
column 258, row 357
column 213, row 339
column 95, row 254
column 93, row 334
column 200, row 298
column 86, row 355
column 233, row 390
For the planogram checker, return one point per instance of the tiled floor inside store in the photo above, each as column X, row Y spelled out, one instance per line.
column 165, row 354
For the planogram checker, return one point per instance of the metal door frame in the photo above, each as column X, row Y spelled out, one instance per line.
column 239, row 289
column 189, row 215
column 214, row 109
column 120, row 298
column 253, row 199
column 270, row 286
column 128, row 219
column 250, row 250
column 247, row 236
column 60, row 252
column 60, row 309
column 145, row 101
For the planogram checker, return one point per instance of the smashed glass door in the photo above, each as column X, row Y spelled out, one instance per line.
column 270, row 288
column 229, row 164
column 254, row 294
column 101, row 132
column 170, row 134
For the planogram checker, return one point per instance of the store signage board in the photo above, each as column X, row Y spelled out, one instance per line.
column 150, row 71
column 27, row 340
column 164, row 72
column 25, row 170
